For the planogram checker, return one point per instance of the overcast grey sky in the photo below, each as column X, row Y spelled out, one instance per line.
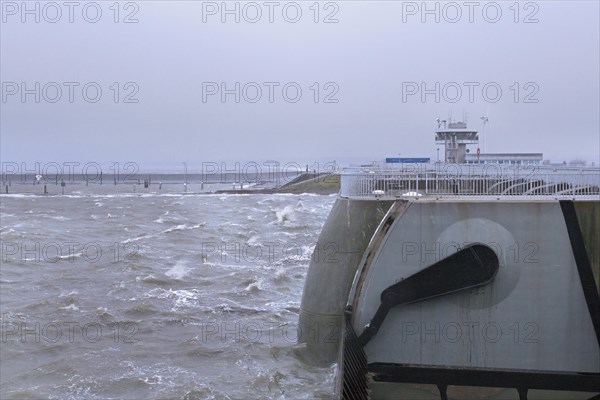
column 369, row 68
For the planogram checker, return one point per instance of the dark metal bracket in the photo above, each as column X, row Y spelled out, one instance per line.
column 473, row 266
column 521, row 380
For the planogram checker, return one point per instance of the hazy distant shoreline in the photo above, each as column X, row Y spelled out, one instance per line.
column 156, row 184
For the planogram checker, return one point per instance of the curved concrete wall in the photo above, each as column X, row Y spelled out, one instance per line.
column 342, row 242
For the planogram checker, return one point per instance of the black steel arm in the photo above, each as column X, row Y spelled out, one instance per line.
column 473, row 266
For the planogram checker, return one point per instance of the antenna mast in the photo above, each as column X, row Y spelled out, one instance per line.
column 485, row 121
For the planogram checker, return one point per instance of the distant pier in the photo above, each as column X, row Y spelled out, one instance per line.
column 311, row 182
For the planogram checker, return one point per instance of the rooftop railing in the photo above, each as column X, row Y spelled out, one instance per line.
column 460, row 180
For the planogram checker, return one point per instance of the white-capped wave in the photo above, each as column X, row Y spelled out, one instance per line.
column 175, row 228
column 178, row 271
column 71, row 307
column 253, row 287
column 287, row 214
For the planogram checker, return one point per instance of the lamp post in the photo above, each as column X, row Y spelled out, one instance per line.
column 185, row 175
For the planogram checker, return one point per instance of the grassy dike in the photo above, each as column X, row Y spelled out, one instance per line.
column 306, row 183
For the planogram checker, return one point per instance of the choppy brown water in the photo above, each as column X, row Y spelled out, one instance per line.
column 157, row 296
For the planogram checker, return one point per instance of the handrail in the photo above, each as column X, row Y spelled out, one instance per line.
column 456, row 180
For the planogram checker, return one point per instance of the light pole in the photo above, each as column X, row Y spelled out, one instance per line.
column 185, row 175
column 438, row 155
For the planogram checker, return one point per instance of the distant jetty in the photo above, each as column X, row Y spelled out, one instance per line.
column 309, row 182
column 319, row 183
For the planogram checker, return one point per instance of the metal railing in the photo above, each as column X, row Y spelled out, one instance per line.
column 452, row 180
